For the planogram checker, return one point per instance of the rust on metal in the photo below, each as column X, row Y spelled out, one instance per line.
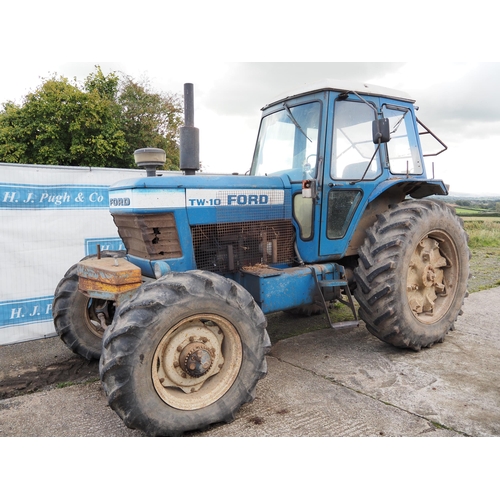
column 108, row 277
column 149, row 236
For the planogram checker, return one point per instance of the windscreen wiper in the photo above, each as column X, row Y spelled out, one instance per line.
column 289, row 113
column 398, row 123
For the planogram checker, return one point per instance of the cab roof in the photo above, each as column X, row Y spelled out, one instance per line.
column 342, row 85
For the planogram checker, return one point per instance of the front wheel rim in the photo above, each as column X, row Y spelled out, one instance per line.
column 197, row 361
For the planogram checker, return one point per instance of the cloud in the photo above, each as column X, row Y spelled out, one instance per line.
column 457, row 101
column 466, row 107
column 246, row 87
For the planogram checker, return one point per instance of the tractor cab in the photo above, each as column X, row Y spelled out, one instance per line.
column 342, row 147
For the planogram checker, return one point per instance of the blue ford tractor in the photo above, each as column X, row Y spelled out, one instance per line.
column 337, row 203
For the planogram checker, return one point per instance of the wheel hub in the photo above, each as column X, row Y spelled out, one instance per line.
column 99, row 316
column 195, row 359
column 191, row 355
column 426, row 277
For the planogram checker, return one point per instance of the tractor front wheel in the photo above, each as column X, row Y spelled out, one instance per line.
column 185, row 352
column 79, row 320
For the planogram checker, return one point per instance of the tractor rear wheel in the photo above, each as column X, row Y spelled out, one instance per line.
column 185, row 352
column 412, row 274
column 78, row 319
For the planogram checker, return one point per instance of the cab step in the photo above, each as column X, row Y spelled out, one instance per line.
column 339, row 284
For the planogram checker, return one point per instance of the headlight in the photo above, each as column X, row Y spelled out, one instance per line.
column 160, row 269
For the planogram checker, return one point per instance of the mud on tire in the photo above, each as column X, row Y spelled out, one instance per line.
column 185, row 352
column 412, row 274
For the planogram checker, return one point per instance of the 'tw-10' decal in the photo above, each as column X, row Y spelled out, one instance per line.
column 240, row 197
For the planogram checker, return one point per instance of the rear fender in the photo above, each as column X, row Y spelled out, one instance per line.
column 391, row 192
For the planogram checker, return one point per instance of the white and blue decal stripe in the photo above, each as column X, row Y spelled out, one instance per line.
column 178, row 198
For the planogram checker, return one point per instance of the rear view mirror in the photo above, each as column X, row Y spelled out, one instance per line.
column 381, row 131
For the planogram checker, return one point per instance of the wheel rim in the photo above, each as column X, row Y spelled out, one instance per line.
column 96, row 315
column 197, row 361
column 432, row 277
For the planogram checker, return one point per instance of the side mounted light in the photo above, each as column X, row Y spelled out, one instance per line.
column 160, row 268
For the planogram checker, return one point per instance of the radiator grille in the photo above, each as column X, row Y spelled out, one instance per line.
column 149, row 236
column 227, row 247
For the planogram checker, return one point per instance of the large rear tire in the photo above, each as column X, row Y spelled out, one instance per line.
column 412, row 274
column 185, row 352
column 77, row 318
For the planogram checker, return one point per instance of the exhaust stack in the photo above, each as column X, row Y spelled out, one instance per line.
column 189, row 135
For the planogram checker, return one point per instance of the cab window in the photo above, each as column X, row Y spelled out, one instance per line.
column 402, row 148
column 353, row 147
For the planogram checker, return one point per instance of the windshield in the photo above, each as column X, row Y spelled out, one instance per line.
column 288, row 140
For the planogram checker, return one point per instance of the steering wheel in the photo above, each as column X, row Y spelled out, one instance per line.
column 309, row 170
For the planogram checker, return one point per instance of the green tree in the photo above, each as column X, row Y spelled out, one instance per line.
column 98, row 123
column 151, row 119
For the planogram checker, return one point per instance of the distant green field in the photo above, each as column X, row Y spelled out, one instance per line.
column 483, row 231
column 472, row 218
column 469, row 211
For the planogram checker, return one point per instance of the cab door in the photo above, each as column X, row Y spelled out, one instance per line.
column 353, row 166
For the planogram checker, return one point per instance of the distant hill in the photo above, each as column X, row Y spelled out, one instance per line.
column 474, row 205
column 469, row 198
column 472, row 195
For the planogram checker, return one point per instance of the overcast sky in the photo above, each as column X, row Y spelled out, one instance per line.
column 178, row 42
column 458, row 102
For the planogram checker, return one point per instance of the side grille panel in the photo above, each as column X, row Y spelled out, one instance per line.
column 227, row 247
column 149, row 236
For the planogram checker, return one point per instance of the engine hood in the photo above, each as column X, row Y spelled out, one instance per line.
column 220, row 198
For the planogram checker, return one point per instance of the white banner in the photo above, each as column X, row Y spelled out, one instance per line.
column 51, row 217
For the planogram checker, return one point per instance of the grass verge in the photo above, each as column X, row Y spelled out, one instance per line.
column 483, row 232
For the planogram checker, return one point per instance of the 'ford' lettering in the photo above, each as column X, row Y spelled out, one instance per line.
column 251, row 199
column 119, row 202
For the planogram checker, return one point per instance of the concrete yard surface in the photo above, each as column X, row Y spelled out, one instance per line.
column 325, row 383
